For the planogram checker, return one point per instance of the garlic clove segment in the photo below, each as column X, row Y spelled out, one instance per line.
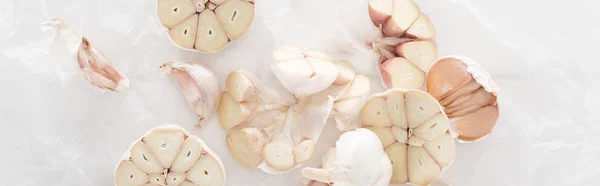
column 199, row 86
column 232, row 113
column 422, row 28
column 173, row 12
column 184, row 34
column 468, row 94
column 167, row 154
column 235, row 16
column 380, row 10
column 421, row 53
column 401, row 73
column 210, row 37
column 404, row 13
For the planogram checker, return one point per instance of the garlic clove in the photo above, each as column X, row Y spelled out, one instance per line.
column 199, row 4
column 422, row 28
column 246, row 146
column 419, row 107
column 278, row 154
column 218, row 2
column 173, row 12
column 239, row 87
column 187, row 183
column 348, row 106
column 142, row 155
column 380, row 10
column 232, row 113
column 129, row 174
column 98, row 69
column 400, row 73
column 416, row 141
column 475, row 125
column 184, row 34
column 188, row 155
column 175, row 178
column 397, row 110
column 421, row 53
column 397, row 154
column 446, row 76
column 210, row 37
column 360, row 86
column 304, row 150
column 298, row 68
column 432, row 127
column 235, row 17
column 400, row 134
column 346, row 72
column 460, row 92
column 422, row 167
column 374, row 113
column 404, row 13
column 442, row 149
column 157, row 179
column 473, row 102
column 207, row 171
column 165, row 144
column 385, row 135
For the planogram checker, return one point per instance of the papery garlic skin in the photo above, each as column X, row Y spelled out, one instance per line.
column 205, row 26
column 179, row 157
column 468, row 95
column 358, row 159
column 69, row 46
column 199, row 86
column 414, row 131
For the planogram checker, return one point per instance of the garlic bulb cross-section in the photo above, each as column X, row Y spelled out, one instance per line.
column 168, row 155
column 468, row 95
column 199, row 86
column 414, row 132
column 206, row 26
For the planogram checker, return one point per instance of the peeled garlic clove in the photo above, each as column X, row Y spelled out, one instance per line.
column 422, row 167
column 397, row 154
column 184, row 34
column 232, row 113
column 239, row 87
column 421, row 53
column 199, row 86
column 235, row 17
column 278, row 154
column 374, row 113
column 207, row 171
column 165, row 145
column 400, row 73
column 422, row 28
column 303, row 151
column 442, row 149
column 468, row 93
column 128, row 173
column 385, row 135
column 380, row 10
column 173, row 12
column 404, row 13
column 246, row 145
column 346, row 74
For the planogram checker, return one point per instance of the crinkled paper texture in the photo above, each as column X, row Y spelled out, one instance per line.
column 539, row 53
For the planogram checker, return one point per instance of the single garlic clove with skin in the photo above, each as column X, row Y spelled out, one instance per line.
column 210, row 37
column 304, row 150
column 199, row 86
column 421, row 53
column 207, row 171
column 98, row 69
column 235, row 17
column 173, row 12
column 397, row 154
column 422, row 28
column 130, row 174
column 404, row 13
column 374, row 113
column 468, row 94
column 184, row 34
column 157, row 179
column 188, row 155
column 400, row 73
column 380, row 10
column 232, row 113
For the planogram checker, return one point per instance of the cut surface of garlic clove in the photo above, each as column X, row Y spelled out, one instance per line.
column 385, row 135
column 374, row 113
column 468, row 94
column 232, row 113
column 404, row 13
column 173, row 12
column 422, row 28
column 184, row 34
column 304, row 150
column 397, row 109
column 210, row 37
column 246, row 145
column 278, row 155
column 401, row 73
column 421, row 53
column 200, row 5
column 239, row 87
column 186, row 158
column 422, row 147
column 235, row 17
column 380, row 10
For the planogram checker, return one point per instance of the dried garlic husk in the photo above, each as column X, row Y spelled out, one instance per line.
column 205, row 26
column 68, row 47
column 358, row 159
column 199, row 86
column 169, row 155
column 414, row 131
column 468, row 95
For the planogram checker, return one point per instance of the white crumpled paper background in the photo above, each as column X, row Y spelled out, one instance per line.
column 541, row 53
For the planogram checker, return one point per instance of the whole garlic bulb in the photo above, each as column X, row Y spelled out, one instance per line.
column 358, row 159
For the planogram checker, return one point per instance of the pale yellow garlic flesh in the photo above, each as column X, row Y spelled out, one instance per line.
column 414, row 131
column 206, row 26
column 469, row 100
column 168, row 155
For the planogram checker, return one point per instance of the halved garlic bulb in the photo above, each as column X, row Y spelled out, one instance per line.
column 169, row 155
column 414, row 132
column 205, row 25
column 468, row 95
column 199, row 86
column 68, row 45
